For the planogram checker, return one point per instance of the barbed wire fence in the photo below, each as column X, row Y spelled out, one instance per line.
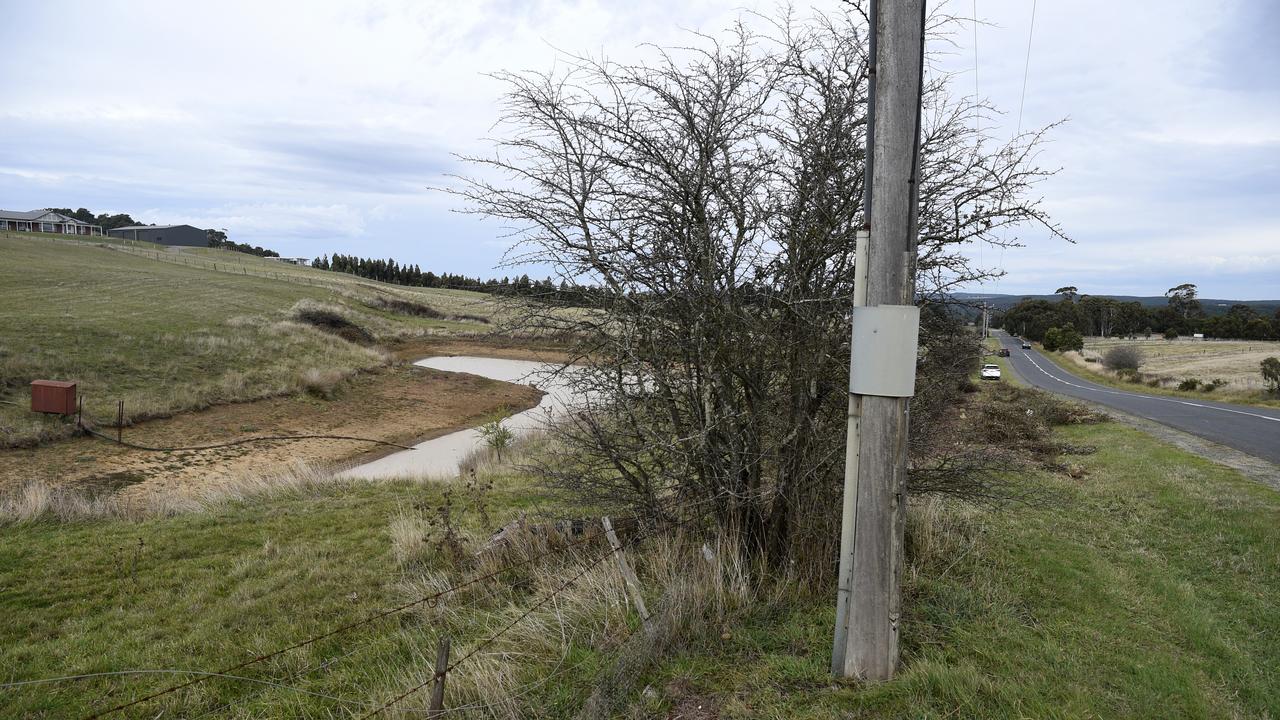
column 288, row 682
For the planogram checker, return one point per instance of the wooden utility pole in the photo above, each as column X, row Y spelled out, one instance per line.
column 882, row 369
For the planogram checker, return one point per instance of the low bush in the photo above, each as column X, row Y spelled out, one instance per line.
column 1188, row 384
column 404, row 307
column 331, row 319
column 1003, row 428
column 1131, row 375
column 1123, row 358
column 415, row 309
column 320, row 383
column 1212, row 385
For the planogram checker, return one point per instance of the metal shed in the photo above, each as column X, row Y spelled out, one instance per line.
column 183, row 235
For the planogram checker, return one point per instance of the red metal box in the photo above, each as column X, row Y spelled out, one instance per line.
column 53, row 396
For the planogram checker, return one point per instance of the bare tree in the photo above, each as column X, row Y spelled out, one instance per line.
column 702, row 208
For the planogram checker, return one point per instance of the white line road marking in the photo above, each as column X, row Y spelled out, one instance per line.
column 1145, row 397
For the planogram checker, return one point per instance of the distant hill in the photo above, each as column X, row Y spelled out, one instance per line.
column 1212, row 306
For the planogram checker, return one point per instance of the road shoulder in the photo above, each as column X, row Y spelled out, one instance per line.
column 1255, row 468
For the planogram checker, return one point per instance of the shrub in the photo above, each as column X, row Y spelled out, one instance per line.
column 404, row 307
column 331, row 319
column 1271, row 374
column 1189, row 384
column 496, row 435
column 320, row 383
column 1125, row 357
column 1212, row 385
column 1170, row 334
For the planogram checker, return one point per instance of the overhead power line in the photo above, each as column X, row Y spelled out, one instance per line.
column 1026, row 68
column 977, row 96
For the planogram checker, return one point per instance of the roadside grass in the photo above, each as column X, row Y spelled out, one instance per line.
column 167, row 337
column 1182, row 360
column 1145, row 587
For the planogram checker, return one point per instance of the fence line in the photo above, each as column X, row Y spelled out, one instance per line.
column 633, row 542
column 425, row 600
column 429, row 600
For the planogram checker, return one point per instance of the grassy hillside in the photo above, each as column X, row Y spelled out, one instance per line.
column 168, row 330
column 1141, row 584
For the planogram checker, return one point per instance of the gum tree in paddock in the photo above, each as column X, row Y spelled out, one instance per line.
column 700, row 209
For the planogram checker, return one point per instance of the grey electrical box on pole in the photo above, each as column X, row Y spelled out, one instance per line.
column 882, row 372
column 884, row 346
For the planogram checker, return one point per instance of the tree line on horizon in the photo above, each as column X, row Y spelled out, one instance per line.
column 1107, row 317
column 411, row 275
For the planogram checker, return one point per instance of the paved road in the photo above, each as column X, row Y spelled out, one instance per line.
column 1249, row 429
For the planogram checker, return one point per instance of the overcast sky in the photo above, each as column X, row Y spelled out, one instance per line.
column 320, row 128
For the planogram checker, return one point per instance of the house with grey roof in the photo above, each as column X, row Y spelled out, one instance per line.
column 182, row 235
column 46, row 221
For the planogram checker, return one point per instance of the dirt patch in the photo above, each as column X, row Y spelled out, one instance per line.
column 109, row 482
column 405, row 404
column 690, row 705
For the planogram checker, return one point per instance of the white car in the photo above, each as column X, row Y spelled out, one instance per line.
column 990, row 372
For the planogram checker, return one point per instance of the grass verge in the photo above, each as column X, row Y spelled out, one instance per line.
column 1145, row 589
column 1143, row 586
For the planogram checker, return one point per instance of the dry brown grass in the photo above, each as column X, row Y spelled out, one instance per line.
column 1171, row 361
column 689, row 596
column 37, row 501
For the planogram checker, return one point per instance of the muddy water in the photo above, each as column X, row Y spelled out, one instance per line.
column 440, row 457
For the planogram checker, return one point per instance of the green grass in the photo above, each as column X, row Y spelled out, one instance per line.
column 207, row 590
column 166, row 331
column 1148, row 589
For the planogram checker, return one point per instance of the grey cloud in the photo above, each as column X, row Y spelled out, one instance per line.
column 348, row 159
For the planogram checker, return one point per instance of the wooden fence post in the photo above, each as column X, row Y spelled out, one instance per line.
column 436, row 709
column 633, row 583
column 120, row 423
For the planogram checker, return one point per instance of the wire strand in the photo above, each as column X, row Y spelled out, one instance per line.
column 428, row 599
column 977, row 95
column 492, row 638
column 1026, row 68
